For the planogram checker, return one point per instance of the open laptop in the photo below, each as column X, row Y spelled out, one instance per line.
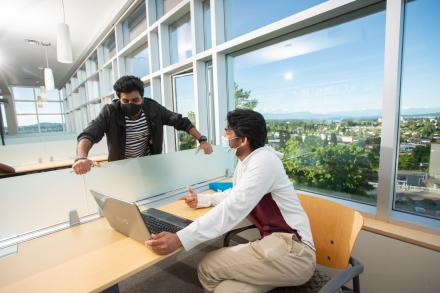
column 127, row 219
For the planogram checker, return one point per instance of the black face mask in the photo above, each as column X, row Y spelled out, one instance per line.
column 130, row 109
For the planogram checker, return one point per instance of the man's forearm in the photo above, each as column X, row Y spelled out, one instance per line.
column 84, row 146
column 195, row 133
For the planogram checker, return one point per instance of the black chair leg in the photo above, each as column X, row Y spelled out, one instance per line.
column 112, row 289
column 356, row 285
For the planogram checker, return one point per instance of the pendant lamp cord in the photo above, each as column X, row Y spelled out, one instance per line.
column 64, row 14
column 47, row 61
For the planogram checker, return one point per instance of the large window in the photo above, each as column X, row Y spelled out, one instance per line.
column 243, row 16
column 109, row 47
column 210, row 100
column 417, row 187
column 147, row 91
column 91, row 68
column 180, row 39
column 134, row 24
column 185, row 105
column 4, row 121
column 137, row 64
column 163, row 6
column 321, row 95
column 207, row 24
column 36, row 113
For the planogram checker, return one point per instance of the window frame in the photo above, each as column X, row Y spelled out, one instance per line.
column 389, row 145
column 184, row 73
column 37, row 114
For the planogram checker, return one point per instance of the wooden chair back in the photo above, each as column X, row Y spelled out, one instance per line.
column 334, row 228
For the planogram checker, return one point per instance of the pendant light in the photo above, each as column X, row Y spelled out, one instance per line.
column 43, row 93
column 48, row 74
column 64, row 46
column 39, row 102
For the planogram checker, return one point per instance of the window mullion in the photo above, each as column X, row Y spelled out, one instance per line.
column 390, row 119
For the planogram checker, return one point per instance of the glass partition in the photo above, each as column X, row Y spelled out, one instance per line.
column 35, row 201
column 44, row 148
column 145, row 177
column 39, row 201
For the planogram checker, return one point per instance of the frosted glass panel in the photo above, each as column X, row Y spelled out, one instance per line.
column 140, row 178
column 49, row 151
column 36, row 201
column 22, row 154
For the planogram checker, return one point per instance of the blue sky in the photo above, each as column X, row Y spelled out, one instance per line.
column 421, row 59
column 185, row 94
column 340, row 69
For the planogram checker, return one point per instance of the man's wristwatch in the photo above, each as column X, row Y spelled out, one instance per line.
column 202, row 139
column 80, row 158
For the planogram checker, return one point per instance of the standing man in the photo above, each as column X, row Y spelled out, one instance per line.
column 285, row 255
column 133, row 126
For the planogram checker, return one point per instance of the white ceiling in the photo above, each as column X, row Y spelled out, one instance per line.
column 37, row 19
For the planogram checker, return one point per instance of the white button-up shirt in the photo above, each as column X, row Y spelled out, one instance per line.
column 259, row 173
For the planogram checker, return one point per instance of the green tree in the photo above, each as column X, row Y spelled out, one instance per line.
column 333, row 138
column 341, row 167
column 418, row 159
column 186, row 141
column 242, row 98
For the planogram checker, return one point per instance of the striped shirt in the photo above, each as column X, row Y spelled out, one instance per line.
column 138, row 136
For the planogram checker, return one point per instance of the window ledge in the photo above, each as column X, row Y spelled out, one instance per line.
column 430, row 240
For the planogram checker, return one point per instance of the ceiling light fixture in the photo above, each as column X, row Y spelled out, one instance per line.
column 43, row 93
column 64, row 46
column 32, row 42
column 48, row 74
column 39, row 102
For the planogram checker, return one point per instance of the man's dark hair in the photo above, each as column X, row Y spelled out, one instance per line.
column 250, row 124
column 127, row 84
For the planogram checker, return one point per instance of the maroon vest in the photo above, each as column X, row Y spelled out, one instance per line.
column 267, row 217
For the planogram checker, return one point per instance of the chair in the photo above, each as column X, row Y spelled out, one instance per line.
column 334, row 229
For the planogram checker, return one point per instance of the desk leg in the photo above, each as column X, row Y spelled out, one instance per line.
column 112, row 289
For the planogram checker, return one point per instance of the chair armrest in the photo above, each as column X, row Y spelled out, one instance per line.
column 234, row 232
column 336, row 283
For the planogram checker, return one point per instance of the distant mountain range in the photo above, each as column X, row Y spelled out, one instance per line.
column 362, row 114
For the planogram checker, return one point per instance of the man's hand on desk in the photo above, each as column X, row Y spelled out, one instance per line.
column 164, row 243
column 82, row 166
column 206, row 147
column 191, row 198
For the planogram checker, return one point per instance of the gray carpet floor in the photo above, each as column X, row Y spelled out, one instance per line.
column 175, row 274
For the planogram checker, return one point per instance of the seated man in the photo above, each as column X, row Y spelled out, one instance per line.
column 285, row 256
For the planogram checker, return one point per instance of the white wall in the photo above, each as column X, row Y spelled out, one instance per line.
column 395, row 266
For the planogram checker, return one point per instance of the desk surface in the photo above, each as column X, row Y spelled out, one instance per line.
column 23, row 169
column 86, row 258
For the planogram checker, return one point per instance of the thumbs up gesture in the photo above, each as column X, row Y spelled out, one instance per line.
column 190, row 198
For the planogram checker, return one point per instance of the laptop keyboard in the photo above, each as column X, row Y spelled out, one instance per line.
column 156, row 225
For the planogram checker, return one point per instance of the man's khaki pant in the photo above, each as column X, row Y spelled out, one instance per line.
column 276, row 260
